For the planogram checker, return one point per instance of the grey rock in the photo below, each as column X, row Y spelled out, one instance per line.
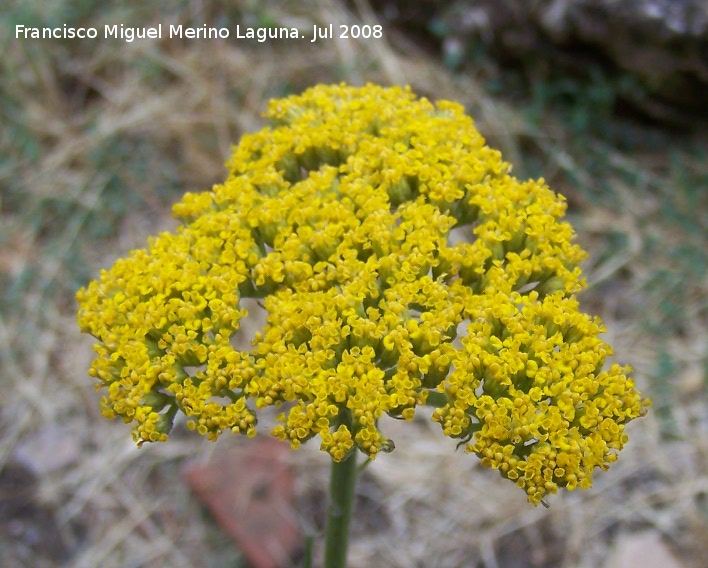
column 663, row 44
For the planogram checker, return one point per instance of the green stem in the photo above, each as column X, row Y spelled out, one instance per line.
column 436, row 399
column 341, row 499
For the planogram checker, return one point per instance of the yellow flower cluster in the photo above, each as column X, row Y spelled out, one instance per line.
column 398, row 260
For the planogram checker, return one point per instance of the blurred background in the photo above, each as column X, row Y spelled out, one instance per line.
column 98, row 138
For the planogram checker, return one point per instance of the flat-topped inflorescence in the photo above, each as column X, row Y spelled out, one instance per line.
column 338, row 217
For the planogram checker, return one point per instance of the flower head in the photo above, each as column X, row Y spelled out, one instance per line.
column 397, row 259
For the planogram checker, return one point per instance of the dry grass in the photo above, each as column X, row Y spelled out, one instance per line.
column 100, row 137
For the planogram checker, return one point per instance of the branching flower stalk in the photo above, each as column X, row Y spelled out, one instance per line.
column 399, row 261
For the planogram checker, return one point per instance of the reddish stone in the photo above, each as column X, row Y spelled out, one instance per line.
column 249, row 490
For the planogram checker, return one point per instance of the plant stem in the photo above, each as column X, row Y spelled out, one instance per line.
column 341, row 499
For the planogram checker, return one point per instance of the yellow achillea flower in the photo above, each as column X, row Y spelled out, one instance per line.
column 339, row 217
